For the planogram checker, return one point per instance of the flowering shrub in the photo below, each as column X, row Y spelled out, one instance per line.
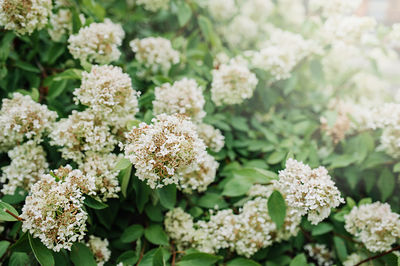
column 198, row 132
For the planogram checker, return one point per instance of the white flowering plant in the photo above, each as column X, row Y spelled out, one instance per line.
column 198, row 132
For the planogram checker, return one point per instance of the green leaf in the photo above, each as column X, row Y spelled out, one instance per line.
column 317, row 71
column 242, row 262
column 299, row 260
column 184, row 12
column 237, row 187
column 125, row 177
column 208, row 32
column 198, row 259
column 212, row 200
column 27, row 67
column 4, row 216
column 3, row 247
column 321, row 228
column 396, row 168
column 128, row 258
column 277, row 208
column 158, row 258
column 94, row 203
column 82, row 256
column 73, row 73
column 123, row 164
column 340, row 247
column 19, row 259
column 132, row 233
column 276, row 157
column 386, row 184
column 42, row 253
column 156, row 235
column 167, row 196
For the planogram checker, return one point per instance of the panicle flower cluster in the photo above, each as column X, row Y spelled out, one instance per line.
column 241, row 32
column 353, row 259
column 349, row 29
column 28, row 164
column 183, row 97
column 390, row 142
column 211, row 136
column 311, row 192
column 53, row 212
column 232, row 83
column 222, row 10
column 155, row 53
column 334, row 7
column 375, row 225
column 292, row 11
column 320, row 253
column 99, row 249
column 24, row 16
column 394, row 36
column 61, row 24
column 200, row 177
column 97, row 43
column 22, row 119
column 166, row 150
column 109, row 93
column 153, row 5
column 257, row 10
column 82, row 132
column 246, row 232
column 102, row 168
column 282, row 52
column 179, row 226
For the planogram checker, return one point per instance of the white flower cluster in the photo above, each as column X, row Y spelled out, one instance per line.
column 349, row 29
column 246, row 232
column 200, row 177
column 24, row 16
column 211, row 136
column 97, row 43
column 232, row 83
column 375, row 225
column 183, row 97
column 257, row 10
column 54, row 210
column 100, row 249
column 166, row 150
column 320, row 253
column 353, row 259
column 311, row 192
column 102, row 168
column 241, row 32
column 22, row 119
column 337, row 129
column 155, row 53
column 221, row 10
column 109, row 93
column 153, row 5
column 394, row 36
column 334, row 7
column 82, row 132
column 61, row 24
column 282, row 52
column 28, row 163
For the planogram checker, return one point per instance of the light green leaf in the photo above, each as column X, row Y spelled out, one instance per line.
column 72, row 73
column 156, row 235
column 299, row 260
column 123, row 164
column 198, row 259
column 340, row 247
column 4, row 216
column 242, row 262
column 125, row 177
column 3, row 247
column 321, row 228
column 276, row 157
column 132, row 233
column 277, row 208
column 386, row 184
column 184, row 12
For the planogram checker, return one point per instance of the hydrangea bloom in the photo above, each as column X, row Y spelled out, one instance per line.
column 241, row 32
column 309, row 191
column 99, row 249
column 24, row 16
column 61, row 24
column 320, row 253
column 54, row 212
column 28, row 163
column 232, row 83
column 108, row 92
column 97, row 43
column 22, row 118
column 183, row 97
column 179, row 226
column 155, row 53
column 375, row 225
column 257, row 10
column 102, row 168
column 221, row 10
column 82, row 132
column 211, row 136
column 165, row 151
column 153, row 5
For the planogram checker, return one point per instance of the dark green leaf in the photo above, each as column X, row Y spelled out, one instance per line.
column 158, row 258
column 198, row 259
column 167, row 196
column 321, row 228
column 132, row 233
column 82, row 256
column 94, row 203
column 299, row 260
column 242, row 262
column 340, row 247
column 42, row 253
column 19, row 259
column 156, row 235
column 277, row 208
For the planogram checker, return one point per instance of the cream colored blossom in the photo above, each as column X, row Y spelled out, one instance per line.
column 375, row 225
column 97, row 43
column 221, row 10
column 61, row 24
column 179, row 226
column 99, row 249
column 211, row 136
column 320, row 253
column 153, row 5
column 24, row 16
